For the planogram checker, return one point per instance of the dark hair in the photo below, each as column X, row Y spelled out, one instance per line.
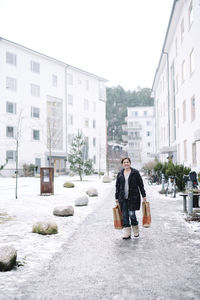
column 124, row 159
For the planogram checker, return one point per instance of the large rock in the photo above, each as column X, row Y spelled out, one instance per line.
column 63, row 211
column 92, row 192
column 68, row 184
column 45, row 227
column 81, row 200
column 8, row 256
column 106, row 179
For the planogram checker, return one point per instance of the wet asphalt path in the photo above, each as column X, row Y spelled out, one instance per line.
column 95, row 263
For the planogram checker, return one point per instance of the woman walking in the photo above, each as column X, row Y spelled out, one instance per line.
column 129, row 185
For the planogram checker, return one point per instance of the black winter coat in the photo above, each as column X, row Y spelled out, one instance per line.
column 136, row 187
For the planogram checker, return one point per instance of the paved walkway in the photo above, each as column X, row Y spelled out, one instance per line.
column 95, row 263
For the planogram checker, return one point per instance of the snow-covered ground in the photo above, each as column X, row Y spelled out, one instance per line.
column 18, row 215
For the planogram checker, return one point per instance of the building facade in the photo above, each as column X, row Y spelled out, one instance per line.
column 176, row 87
column 43, row 104
column 141, row 134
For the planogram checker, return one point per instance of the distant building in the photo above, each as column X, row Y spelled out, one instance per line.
column 140, row 134
column 176, row 87
column 46, row 102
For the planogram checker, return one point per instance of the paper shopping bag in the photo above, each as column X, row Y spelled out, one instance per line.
column 118, row 218
column 146, row 221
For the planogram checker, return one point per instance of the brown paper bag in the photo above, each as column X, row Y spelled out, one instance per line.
column 146, row 221
column 118, row 218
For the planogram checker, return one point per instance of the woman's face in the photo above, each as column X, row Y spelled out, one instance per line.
column 126, row 164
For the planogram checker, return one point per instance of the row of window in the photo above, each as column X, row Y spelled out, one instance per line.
column 136, row 113
column 86, row 121
column 86, row 103
column 11, row 85
column 11, row 108
column 137, row 145
column 11, row 133
column 136, row 124
column 11, row 157
column 11, row 59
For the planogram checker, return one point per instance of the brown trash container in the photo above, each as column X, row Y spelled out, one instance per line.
column 46, row 181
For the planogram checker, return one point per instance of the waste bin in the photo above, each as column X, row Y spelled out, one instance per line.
column 46, row 181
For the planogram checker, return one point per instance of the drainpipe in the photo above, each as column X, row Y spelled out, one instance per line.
column 66, row 129
column 168, row 96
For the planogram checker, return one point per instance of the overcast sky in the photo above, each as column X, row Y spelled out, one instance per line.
column 120, row 40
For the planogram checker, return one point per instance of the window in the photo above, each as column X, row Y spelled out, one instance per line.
column 94, row 159
column 148, row 123
column 35, row 112
column 35, row 67
column 177, row 118
column 86, row 123
column 194, row 154
column 134, row 113
column 36, row 135
column 86, row 104
column 94, row 142
column 10, row 131
column 94, row 106
column 70, row 119
column 35, row 90
column 70, row 79
column 54, row 80
column 70, row 99
column 183, row 71
column 11, row 58
column 192, row 108
column 94, row 124
column 191, row 61
column 148, row 133
column 148, row 144
column 11, row 155
column 87, row 85
column 11, row 107
column 182, row 30
column 184, row 111
column 176, row 83
column 185, row 149
column 190, row 14
column 145, row 113
column 11, row 83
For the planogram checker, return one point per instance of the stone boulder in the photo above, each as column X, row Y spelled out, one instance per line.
column 92, row 192
column 8, row 256
column 81, row 200
column 63, row 211
column 45, row 227
column 106, row 179
column 68, row 184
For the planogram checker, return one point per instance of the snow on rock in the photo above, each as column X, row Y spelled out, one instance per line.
column 106, row 179
column 81, row 200
column 92, row 192
column 68, row 184
column 8, row 256
column 45, row 227
column 63, row 211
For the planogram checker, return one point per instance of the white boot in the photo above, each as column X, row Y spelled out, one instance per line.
column 126, row 233
column 135, row 230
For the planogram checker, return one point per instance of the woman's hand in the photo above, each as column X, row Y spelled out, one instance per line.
column 117, row 202
column 144, row 199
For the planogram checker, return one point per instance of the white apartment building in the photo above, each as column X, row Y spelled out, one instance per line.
column 176, row 87
column 141, row 134
column 43, row 104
